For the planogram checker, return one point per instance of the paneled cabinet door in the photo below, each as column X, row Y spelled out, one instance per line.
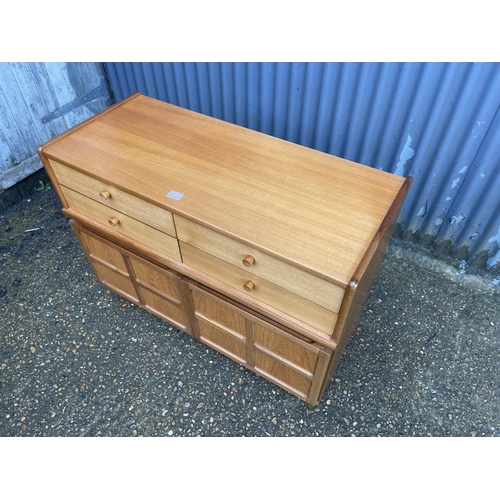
column 158, row 290
column 287, row 359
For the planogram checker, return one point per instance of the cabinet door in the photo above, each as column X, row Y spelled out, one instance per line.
column 219, row 326
column 158, row 290
column 281, row 356
column 108, row 264
column 161, row 291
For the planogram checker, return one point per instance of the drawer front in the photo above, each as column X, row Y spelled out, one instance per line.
column 312, row 288
column 268, row 293
column 124, row 224
column 118, row 200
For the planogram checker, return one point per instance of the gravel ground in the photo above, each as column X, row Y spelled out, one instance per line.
column 78, row 360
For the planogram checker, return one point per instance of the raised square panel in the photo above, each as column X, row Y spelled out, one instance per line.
column 155, row 278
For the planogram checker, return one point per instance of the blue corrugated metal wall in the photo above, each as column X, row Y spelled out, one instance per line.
column 435, row 121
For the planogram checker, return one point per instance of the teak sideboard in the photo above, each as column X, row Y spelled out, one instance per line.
column 260, row 248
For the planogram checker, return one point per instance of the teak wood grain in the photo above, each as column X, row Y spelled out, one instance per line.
column 270, row 351
column 157, row 290
column 117, row 200
column 139, row 248
column 124, row 224
column 305, row 207
column 260, row 248
column 264, row 291
column 297, row 281
column 158, row 280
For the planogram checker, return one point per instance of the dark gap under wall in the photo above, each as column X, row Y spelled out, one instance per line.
column 23, row 189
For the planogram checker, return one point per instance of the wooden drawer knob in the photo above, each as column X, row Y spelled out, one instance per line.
column 113, row 221
column 248, row 286
column 248, row 261
column 105, row 194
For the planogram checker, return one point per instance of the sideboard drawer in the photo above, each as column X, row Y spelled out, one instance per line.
column 298, row 281
column 114, row 198
column 123, row 224
column 289, row 303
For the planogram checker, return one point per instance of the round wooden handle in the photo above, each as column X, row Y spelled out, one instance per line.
column 105, row 194
column 113, row 221
column 248, row 261
column 248, row 286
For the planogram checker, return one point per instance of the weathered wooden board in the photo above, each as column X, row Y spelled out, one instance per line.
column 28, row 93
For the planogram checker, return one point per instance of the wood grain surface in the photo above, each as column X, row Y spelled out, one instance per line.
column 302, row 206
column 313, row 288
column 116, row 199
column 264, row 291
column 126, row 225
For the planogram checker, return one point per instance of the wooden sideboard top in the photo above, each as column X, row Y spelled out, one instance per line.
column 309, row 208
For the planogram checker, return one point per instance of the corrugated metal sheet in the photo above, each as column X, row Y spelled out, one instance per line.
column 28, row 93
column 435, row 121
